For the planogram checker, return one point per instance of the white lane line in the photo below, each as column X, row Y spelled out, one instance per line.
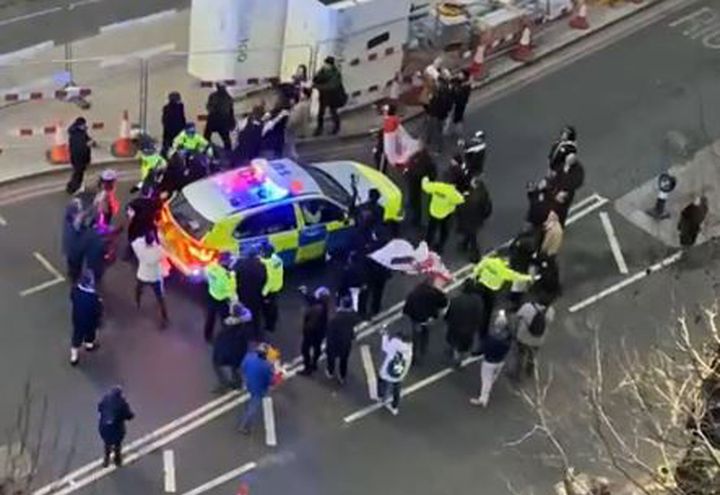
column 599, row 203
column 586, row 200
column 197, row 418
column 411, row 389
column 114, row 61
column 628, row 281
column 48, row 266
column 169, row 471
column 59, row 278
column 369, row 368
column 614, row 243
column 269, row 418
column 140, row 20
column 3, row 222
column 32, row 15
column 221, row 480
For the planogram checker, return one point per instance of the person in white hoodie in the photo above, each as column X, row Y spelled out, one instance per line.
column 151, row 271
column 398, row 358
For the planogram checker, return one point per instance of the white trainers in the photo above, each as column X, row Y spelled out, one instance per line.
column 74, row 357
column 393, row 410
column 90, row 346
column 477, row 401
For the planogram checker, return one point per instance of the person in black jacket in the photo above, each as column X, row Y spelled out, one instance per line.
column 421, row 165
column 328, row 82
column 340, row 337
column 114, row 411
column 353, row 280
column 438, row 110
column 314, row 327
column 80, row 144
column 539, row 203
column 460, row 88
column 229, row 348
column 221, row 115
column 251, row 276
column 691, row 220
column 72, row 246
column 249, row 136
column 173, row 121
column 560, row 149
column 471, row 216
column 376, row 277
column 87, row 312
column 564, row 184
column 424, row 303
column 522, row 253
column 463, row 319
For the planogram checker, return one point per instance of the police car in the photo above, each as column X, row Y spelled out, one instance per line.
column 302, row 211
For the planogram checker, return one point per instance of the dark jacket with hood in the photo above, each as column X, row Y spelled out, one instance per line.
column 79, row 142
column 114, row 411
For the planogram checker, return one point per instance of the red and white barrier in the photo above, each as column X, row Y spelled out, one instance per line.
column 230, row 83
column 48, row 129
column 59, row 94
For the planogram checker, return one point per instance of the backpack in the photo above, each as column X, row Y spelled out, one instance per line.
column 397, row 365
column 537, row 325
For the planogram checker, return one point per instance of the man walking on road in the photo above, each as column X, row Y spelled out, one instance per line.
column 396, row 365
column 221, row 116
column 222, row 291
column 87, row 310
column 328, row 82
column 258, row 373
column 340, row 337
column 173, row 121
column 114, row 411
column 80, row 144
column 444, row 199
column 425, row 303
column 314, row 327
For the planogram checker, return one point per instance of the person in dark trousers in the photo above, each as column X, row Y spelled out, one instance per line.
column 471, row 217
column 258, row 374
column 376, row 276
column 249, row 136
column 314, row 327
column 87, row 310
column 80, row 144
column 94, row 247
column 421, row 165
column 251, row 276
column 560, row 149
column 463, row 318
column 353, row 281
column 522, row 251
column 340, row 337
column 460, row 89
column 328, row 82
column 229, row 348
column 564, row 184
column 691, row 220
column 370, row 215
column 548, row 278
column 539, row 204
column 438, row 110
column 114, row 412
column 425, row 303
column 72, row 237
column 221, row 115
column 173, row 121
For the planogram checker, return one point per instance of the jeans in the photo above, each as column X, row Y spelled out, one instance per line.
column 386, row 388
column 252, row 408
column 228, row 376
column 420, row 339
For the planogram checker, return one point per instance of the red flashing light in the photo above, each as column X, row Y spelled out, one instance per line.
column 296, row 187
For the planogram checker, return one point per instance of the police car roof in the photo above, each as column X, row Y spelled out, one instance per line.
column 224, row 194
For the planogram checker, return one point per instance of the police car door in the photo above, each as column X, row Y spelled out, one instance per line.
column 322, row 225
column 275, row 225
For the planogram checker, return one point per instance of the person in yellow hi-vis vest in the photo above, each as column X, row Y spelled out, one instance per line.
column 444, row 199
column 222, row 291
column 274, row 280
column 490, row 275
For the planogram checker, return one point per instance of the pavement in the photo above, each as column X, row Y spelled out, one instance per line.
column 108, row 63
column 623, row 98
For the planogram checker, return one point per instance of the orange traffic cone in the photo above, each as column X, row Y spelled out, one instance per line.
column 123, row 147
column 579, row 20
column 477, row 68
column 59, row 152
column 523, row 50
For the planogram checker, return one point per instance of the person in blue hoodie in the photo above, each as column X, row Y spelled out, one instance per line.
column 114, row 412
column 86, row 316
column 258, row 373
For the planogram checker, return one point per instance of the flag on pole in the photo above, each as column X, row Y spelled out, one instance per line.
column 398, row 144
column 400, row 255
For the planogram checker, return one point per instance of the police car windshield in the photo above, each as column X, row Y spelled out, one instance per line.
column 188, row 218
column 329, row 186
